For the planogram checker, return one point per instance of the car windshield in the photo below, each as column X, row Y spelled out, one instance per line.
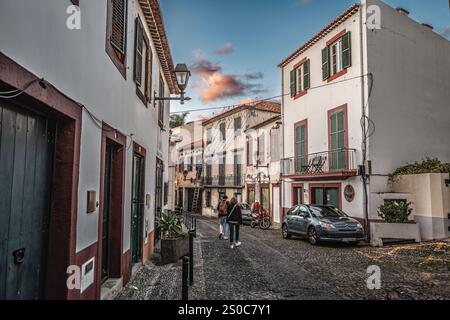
column 327, row 212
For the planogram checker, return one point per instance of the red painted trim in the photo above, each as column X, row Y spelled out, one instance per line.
column 325, row 176
column 336, row 37
column 337, row 75
column 296, row 125
column 63, row 216
column 82, row 257
column 343, row 108
column 325, row 185
column 297, row 65
column 301, row 94
column 294, row 199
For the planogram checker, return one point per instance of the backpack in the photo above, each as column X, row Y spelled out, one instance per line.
column 223, row 208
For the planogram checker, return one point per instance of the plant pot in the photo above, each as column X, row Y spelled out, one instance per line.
column 173, row 250
column 398, row 231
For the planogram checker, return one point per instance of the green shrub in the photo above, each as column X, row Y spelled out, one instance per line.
column 426, row 166
column 395, row 211
column 171, row 226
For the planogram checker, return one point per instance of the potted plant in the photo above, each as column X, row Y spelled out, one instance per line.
column 174, row 242
column 396, row 224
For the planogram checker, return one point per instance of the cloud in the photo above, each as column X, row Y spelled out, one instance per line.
column 212, row 84
column 227, row 48
column 205, row 68
column 446, row 33
column 254, row 76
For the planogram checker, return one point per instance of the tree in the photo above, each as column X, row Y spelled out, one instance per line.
column 178, row 120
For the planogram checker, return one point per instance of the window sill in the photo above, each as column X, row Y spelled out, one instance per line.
column 299, row 95
column 337, row 75
column 141, row 96
column 120, row 64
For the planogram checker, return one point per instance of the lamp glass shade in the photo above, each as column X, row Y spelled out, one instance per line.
column 182, row 73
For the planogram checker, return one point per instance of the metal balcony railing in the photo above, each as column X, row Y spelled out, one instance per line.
column 223, row 181
column 321, row 163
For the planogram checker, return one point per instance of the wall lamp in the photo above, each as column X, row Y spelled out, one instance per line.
column 182, row 75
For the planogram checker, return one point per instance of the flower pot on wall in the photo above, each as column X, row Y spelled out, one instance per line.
column 173, row 250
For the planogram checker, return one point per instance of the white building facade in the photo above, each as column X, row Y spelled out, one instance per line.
column 107, row 139
column 350, row 89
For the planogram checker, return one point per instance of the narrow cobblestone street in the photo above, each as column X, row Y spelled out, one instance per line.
column 268, row 267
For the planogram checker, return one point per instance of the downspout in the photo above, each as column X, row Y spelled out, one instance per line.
column 363, row 113
column 282, row 189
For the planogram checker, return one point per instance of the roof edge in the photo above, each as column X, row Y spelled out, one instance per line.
column 321, row 34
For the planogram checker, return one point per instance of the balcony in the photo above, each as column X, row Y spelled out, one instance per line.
column 333, row 165
column 230, row 181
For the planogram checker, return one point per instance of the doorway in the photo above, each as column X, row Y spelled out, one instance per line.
column 137, row 208
column 297, row 194
column 26, row 172
column 326, row 195
column 158, row 196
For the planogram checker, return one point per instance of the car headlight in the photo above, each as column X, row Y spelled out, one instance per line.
column 327, row 226
column 359, row 226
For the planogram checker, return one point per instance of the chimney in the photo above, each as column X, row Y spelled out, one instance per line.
column 428, row 25
column 402, row 11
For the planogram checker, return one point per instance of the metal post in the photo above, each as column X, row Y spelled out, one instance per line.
column 191, row 258
column 184, row 280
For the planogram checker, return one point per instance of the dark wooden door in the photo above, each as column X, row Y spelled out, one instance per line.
column 137, row 204
column 158, row 197
column 26, row 170
column 106, row 211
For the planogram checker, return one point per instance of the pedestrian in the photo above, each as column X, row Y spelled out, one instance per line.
column 256, row 207
column 234, row 220
column 223, row 209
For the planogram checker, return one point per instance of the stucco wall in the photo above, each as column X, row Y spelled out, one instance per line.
column 34, row 34
column 411, row 97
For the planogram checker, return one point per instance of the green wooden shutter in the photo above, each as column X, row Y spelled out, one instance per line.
column 138, row 48
column 346, row 51
column 306, row 76
column 293, row 83
column 300, row 148
column 337, row 139
column 325, row 63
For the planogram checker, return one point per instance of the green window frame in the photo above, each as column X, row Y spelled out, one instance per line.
column 338, row 146
column 301, row 154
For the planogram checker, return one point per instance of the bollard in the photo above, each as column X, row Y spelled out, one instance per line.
column 184, row 279
column 191, row 258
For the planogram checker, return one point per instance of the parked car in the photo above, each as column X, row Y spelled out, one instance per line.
column 246, row 213
column 321, row 223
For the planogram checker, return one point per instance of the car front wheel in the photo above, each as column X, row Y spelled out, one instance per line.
column 312, row 236
column 286, row 234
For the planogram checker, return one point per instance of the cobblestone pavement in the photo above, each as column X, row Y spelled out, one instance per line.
column 269, row 267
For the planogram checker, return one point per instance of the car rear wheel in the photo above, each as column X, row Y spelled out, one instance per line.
column 285, row 232
column 312, row 236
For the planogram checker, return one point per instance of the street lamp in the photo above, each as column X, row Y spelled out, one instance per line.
column 182, row 75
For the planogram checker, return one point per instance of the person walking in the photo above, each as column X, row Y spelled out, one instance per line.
column 223, row 208
column 234, row 220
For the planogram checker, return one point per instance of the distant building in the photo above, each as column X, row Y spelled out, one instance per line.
column 224, row 151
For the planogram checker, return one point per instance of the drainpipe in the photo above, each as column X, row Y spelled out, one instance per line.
column 363, row 112
column 282, row 184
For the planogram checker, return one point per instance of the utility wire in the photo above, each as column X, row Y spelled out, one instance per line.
column 267, row 99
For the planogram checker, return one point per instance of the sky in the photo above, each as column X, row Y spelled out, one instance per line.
column 233, row 47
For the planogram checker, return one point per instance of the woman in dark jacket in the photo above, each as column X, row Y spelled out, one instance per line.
column 234, row 221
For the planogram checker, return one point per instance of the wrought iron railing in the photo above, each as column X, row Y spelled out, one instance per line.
column 342, row 160
column 223, row 181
